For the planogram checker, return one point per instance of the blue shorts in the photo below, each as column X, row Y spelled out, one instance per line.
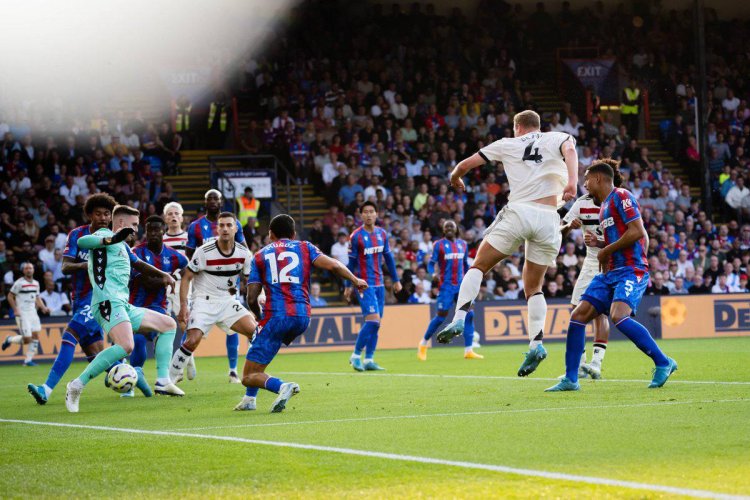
column 373, row 301
column 447, row 298
column 85, row 327
column 271, row 333
column 620, row 285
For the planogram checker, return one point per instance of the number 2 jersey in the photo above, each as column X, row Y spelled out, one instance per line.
column 217, row 273
column 283, row 270
column 533, row 163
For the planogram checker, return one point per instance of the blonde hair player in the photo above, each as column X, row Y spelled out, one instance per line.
column 542, row 170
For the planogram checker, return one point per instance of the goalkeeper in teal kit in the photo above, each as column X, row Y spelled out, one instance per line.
column 109, row 263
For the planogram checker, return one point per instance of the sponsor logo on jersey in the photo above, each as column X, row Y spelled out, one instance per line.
column 454, row 256
column 372, row 250
column 627, row 203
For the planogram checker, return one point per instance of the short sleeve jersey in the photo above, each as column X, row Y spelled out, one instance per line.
column 533, row 162
column 216, row 273
column 26, row 293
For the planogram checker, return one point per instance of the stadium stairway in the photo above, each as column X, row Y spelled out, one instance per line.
column 193, row 180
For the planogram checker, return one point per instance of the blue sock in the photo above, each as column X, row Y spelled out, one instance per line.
column 638, row 335
column 251, row 391
column 233, row 345
column 363, row 336
column 273, row 384
column 574, row 346
column 433, row 326
column 372, row 342
column 469, row 329
column 138, row 356
column 63, row 360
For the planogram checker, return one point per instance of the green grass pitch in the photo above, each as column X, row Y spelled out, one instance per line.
column 691, row 435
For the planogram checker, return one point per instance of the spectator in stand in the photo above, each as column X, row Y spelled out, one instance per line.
column 315, row 299
column 56, row 301
column 657, row 287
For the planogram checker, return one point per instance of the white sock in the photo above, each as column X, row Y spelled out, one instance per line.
column 33, row 347
column 180, row 358
column 47, row 390
column 469, row 290
column 424, row 342
column 15, row 339
column 355, row 356
column 600, row 348
column 163, row 381
column 467, row 349
column 537, row 307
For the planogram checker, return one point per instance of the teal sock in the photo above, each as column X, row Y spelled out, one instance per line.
column 163, row 353
column 101, row 362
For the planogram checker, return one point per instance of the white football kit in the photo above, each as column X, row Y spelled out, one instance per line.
column 178, row 243
column 26, row 293
column 586, row 209
column 535, row 168
column 216, row 274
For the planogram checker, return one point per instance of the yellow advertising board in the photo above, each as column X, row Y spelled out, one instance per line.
column 505, row 323
column 331, row 329
column 705, row 316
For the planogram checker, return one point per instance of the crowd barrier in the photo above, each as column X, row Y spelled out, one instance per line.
column 498, row 322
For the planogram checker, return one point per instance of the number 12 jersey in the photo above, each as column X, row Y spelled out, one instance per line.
column 283, row 269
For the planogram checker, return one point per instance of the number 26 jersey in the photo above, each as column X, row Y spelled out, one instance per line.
column 283, row 270
column 533, row 163
column 216, row 273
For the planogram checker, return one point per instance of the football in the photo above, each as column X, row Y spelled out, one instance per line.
column 122, row 378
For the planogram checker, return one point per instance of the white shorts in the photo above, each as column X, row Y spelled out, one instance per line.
column 538, row 226
column 28, row 324
column 220, row 312
column 584, row 280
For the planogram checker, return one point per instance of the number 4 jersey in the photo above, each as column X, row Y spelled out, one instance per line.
column 534, row 164
column 283, row 269
column 216, row 273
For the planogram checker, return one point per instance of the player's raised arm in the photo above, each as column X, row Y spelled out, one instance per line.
column 97, row 240
column 570, row 155
column 463, row 168
column 337, row 268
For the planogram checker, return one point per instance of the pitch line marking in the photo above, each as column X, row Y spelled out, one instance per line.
column 404, row 458
column 503, row 377
column 461, row 414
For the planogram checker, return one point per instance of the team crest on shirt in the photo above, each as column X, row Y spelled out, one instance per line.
column 165, row 260
column 148, row 258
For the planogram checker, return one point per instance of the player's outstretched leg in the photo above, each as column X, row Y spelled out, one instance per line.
column 469, row 338
column 167, row 329
column 31, row 351
column 122, row 335
column 639, row 335
column 41, row 393
column 425, row 342
column 233, row 345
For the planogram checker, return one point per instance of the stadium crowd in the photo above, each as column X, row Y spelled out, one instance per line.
column 47, row 169
column 388, row 120
column 385, row 122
